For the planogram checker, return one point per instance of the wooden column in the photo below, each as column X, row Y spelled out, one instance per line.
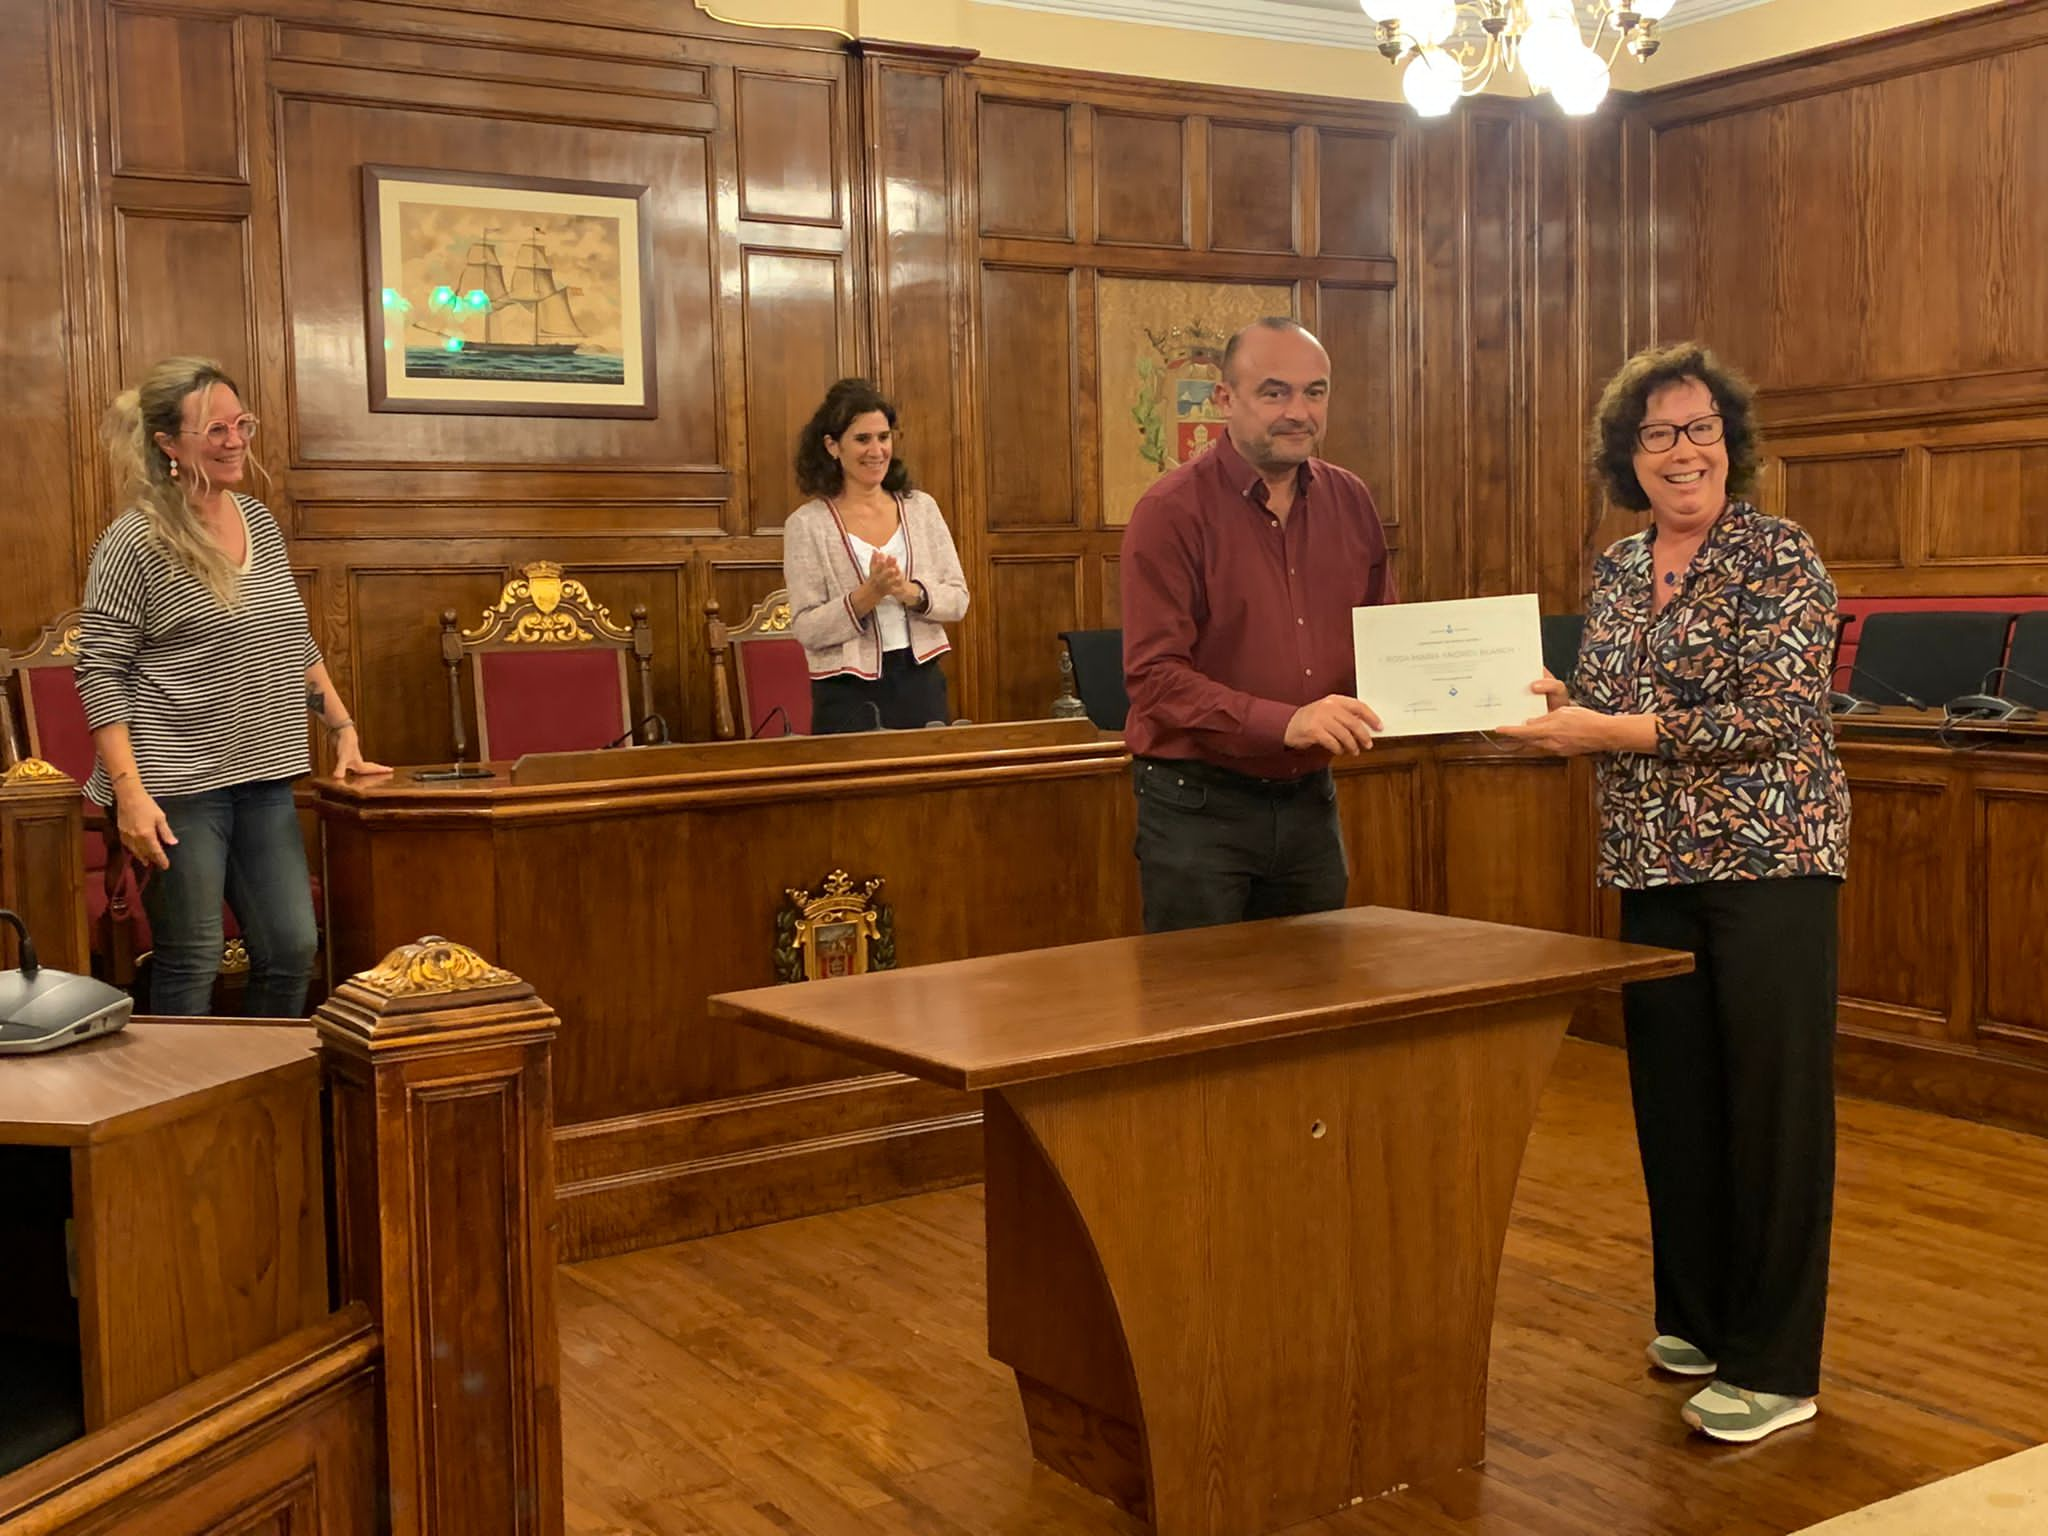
column 42, row 864
column 438, row 1064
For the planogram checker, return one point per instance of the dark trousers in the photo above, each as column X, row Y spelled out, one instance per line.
column 240, row 844
column 1732, row 1071
column 1219, row 847
column 908, row 696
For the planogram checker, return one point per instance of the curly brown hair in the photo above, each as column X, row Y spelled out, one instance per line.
column 817, row 472
column 1626, row 400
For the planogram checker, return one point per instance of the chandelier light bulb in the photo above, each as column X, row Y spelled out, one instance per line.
column 1653, row 10
column 1431, row 22
column 1580, row 83
column 1549, row 47
column 1380, row 10
column 1432, row 81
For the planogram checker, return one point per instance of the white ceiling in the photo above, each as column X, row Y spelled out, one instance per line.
column 1329, row 22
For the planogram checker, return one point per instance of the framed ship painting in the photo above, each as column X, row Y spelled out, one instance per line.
column 507, row 295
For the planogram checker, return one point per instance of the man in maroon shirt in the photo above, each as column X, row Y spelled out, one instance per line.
column 1240, row 570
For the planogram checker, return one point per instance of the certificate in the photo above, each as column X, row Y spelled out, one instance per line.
column 1466, row 665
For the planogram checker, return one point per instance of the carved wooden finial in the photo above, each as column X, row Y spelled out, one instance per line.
column 31, row 770
column 434, row 964
column 427, row 988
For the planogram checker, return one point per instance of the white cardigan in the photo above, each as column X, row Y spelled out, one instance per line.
column 820, row 570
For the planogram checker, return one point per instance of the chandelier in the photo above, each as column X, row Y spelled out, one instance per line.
column 1447, row 49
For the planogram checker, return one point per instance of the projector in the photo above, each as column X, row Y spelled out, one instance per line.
column 42, row 1010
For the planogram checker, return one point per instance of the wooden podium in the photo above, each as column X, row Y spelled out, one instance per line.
column 1247, row 1187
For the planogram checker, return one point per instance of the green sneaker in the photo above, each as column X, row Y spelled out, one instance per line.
column 1670, row 1353
column 1741, row 1416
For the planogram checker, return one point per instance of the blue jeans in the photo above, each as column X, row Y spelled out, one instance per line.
column 241, row 843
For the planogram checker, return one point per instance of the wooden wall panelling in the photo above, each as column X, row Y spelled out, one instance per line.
column 1896, row 318
column 1026, row 188
column 1904, row 966
column 1380, row 803
column 1858, row 507
column 795, row 305
column 1984, row 503
column 1030, row 388
column 183, row 286
column 2008, row 930
column 1254, row 191
column 1369, row 391
column 323, row 143
column 1033, row 598
column 177, row 100
column 1515, row 843
column 1140, row 179
column 282, row 1441
column 919, row 198
column 45, row 336
column 789, row 132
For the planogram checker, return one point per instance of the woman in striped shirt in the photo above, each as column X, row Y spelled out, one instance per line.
column 195, row 661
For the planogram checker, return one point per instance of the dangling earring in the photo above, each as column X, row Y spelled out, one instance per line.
column 174, row 469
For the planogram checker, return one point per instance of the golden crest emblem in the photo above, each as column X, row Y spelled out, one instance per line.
column 841, row 931
column 1175, row 411
column 544, row 584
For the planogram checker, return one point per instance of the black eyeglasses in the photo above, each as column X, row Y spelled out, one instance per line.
column 1661, row 436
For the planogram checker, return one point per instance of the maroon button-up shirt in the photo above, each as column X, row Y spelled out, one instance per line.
column 1234, row 619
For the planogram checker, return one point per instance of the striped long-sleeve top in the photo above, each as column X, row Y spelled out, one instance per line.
column 211, row 695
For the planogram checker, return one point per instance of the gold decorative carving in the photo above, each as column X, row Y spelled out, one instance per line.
column 776, row 620
column 840, row 931
column 67, row 643
column 31, row 770
column 432, row 965
column 234, row 958
column 541, row 606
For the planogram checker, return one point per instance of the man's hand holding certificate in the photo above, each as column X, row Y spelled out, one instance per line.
column 1433, row 668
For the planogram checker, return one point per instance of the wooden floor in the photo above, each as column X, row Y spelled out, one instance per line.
column 827, row 1376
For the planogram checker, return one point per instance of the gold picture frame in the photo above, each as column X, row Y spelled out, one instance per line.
column 507, row 295
column 1161, row 348
column 841, row 931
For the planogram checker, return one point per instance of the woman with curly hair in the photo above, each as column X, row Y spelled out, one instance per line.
column 871, row 571
column 1702, row 685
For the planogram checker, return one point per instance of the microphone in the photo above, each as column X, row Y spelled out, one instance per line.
column 1851, row 704
column 1986, row 705
column 787, row 728
column 41, row 1010
column 29, row 963
column 634, row 730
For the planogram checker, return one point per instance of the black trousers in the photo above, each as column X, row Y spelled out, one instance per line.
column 908, row 696
column 1221, row 847
column 1732, row 1071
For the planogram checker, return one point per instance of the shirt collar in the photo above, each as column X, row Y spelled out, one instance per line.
column 1242, row 478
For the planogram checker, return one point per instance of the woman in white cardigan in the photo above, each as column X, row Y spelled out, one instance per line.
column 871, row 571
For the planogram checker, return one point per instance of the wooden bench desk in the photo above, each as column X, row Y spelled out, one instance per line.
column 1247, row 1186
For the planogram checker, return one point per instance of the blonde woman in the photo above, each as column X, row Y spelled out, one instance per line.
column 195, row 665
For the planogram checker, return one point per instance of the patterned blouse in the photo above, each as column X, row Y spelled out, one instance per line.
column 1745, row 784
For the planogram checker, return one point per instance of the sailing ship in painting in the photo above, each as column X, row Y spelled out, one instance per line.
column 513, row 324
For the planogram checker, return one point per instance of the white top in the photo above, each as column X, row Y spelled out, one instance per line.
column 890, row 618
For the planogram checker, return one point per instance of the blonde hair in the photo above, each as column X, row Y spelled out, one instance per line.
column 143, row 469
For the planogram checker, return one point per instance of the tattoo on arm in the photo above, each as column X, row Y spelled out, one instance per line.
column 316, row 701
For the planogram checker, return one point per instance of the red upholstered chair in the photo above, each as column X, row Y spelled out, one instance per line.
column 762, row 664
column 52, row 727
column 548, row 670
